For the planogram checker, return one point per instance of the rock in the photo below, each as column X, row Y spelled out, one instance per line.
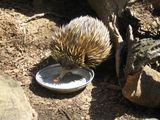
column 106, row 8
column 143, row 87
column 13, row 102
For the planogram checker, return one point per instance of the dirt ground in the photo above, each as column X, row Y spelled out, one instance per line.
column 24, row 49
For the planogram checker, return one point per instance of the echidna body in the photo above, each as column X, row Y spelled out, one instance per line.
column 84, row 42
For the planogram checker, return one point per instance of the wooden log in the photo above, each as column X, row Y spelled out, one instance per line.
column 14, row 104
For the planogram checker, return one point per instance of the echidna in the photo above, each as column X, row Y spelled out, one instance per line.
column 84, row 42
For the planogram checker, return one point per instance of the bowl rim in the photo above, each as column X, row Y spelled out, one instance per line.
column 57, row 89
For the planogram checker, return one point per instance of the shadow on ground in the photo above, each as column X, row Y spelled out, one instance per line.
column 109, row 103
column 39, row 90
column 105, row 103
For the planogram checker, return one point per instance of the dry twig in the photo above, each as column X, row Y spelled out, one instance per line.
column 65, row 113
column 36, row 16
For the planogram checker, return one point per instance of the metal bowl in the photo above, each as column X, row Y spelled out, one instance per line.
column 70, row 83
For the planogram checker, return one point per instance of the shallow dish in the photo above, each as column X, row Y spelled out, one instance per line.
column 70, row 83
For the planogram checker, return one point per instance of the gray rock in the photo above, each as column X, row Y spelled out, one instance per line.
column 14, row 104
